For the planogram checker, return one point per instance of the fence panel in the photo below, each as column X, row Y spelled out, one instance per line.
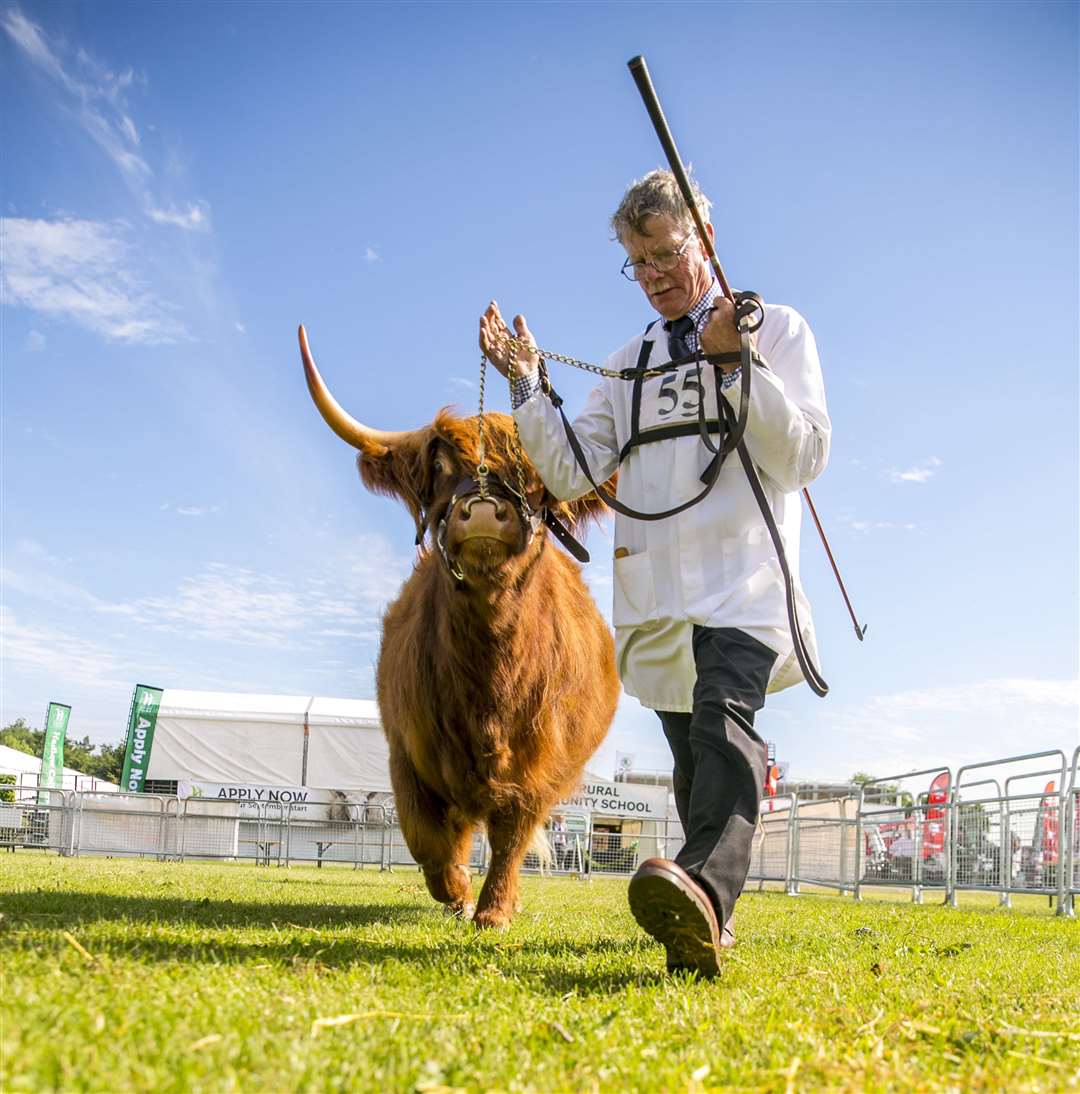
column 1031, row 828
column 903, row 832
column 824, row 851
column 770, row 858
column 209, row 828
column 356, row 841
column 120, row 824
column 34, row 818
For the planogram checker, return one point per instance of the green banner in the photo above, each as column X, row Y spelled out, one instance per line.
column 140, row 737
column 51, row 776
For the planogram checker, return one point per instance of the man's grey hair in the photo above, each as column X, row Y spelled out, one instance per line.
column 657, row 194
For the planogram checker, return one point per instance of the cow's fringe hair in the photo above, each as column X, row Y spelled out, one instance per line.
column 405, row 472
column 499, row 434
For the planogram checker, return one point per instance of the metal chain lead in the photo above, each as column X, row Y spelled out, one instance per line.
column 482, row 467
column 517, row 344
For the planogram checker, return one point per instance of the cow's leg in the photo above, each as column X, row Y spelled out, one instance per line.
column 446, row 870
column 509, row 834
column 439, row 839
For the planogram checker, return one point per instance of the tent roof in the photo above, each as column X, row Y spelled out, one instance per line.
column 13, row 761
column 229, row 706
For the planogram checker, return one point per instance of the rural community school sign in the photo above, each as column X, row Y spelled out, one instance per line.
column 618, row 799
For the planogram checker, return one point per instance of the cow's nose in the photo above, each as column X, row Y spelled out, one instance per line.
column 501, row 510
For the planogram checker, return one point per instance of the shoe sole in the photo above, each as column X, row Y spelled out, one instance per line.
column 665, row 910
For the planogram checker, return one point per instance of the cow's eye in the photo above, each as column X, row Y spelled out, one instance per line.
column 440, row 466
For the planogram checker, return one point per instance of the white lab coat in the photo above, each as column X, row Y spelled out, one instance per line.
column 714, row 564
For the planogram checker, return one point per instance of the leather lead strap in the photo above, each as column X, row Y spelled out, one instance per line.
column 564, row 536
column 810, row 671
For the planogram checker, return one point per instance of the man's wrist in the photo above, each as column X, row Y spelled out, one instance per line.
column 522, row 388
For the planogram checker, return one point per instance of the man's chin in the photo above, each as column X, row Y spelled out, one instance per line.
column 669, row 305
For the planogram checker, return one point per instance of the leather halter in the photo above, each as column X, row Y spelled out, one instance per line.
column 469, row 489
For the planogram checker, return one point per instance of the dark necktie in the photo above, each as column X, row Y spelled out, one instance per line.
column 676, row 343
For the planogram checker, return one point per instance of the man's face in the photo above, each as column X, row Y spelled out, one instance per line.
column 676, row 291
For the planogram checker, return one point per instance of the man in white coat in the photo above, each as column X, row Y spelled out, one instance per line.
column 701, row 623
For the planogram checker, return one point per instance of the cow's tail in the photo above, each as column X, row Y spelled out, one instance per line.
column 540, row 846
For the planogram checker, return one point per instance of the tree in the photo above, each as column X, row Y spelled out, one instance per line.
column 25, row 738
column 107, row 763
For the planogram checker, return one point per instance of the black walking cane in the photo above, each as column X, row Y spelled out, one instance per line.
column 640, row 71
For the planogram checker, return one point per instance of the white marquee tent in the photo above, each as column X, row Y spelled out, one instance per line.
column 313, row 751
column 225, row 738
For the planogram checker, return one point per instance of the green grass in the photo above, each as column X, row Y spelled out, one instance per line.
column 212, row 977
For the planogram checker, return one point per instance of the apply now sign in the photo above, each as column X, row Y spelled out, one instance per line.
column 140, row 737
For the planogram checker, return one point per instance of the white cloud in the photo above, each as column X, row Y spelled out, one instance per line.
column 195, row 218
column 197, row 510
column 127, row 127
column 234, row 604
column 241, row 329
column 921, row 472
column 59, row 655
column 371, row 255
column 966, row 723
column 344, row 597
column 82, row 271
column 94, row 95
column 35, row 342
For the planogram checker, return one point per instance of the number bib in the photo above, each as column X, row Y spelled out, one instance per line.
column 675, row 398
column 669, row 405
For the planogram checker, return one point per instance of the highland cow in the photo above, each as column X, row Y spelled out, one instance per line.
column 496, row 677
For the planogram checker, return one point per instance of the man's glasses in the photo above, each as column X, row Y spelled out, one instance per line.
column 664, row 262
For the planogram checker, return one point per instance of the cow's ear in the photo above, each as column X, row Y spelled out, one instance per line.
column 402, row 472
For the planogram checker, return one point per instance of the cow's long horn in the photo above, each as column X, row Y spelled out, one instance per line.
column 371, row 442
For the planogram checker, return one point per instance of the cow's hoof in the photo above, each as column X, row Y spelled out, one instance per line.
column 459, row 910
column 490, row 919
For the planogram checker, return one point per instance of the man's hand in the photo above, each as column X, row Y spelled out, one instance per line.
column 510, row 360
column 720, row 334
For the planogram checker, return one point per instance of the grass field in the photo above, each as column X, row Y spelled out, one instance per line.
column 136, row 975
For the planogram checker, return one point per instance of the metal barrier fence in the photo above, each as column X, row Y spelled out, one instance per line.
column 1071, row 828
column 922, row 831
column 774, row 840
column 825, row 844
column 1012, row 842
column 36, row 819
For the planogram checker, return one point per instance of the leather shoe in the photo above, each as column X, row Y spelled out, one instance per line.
column 672, row 907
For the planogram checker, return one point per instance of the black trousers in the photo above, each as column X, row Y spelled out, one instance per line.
column 720, row 761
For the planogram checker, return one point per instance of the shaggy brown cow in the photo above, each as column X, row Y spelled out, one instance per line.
column 496, row 678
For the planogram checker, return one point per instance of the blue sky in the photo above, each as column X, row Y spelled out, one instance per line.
column 184, row 183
